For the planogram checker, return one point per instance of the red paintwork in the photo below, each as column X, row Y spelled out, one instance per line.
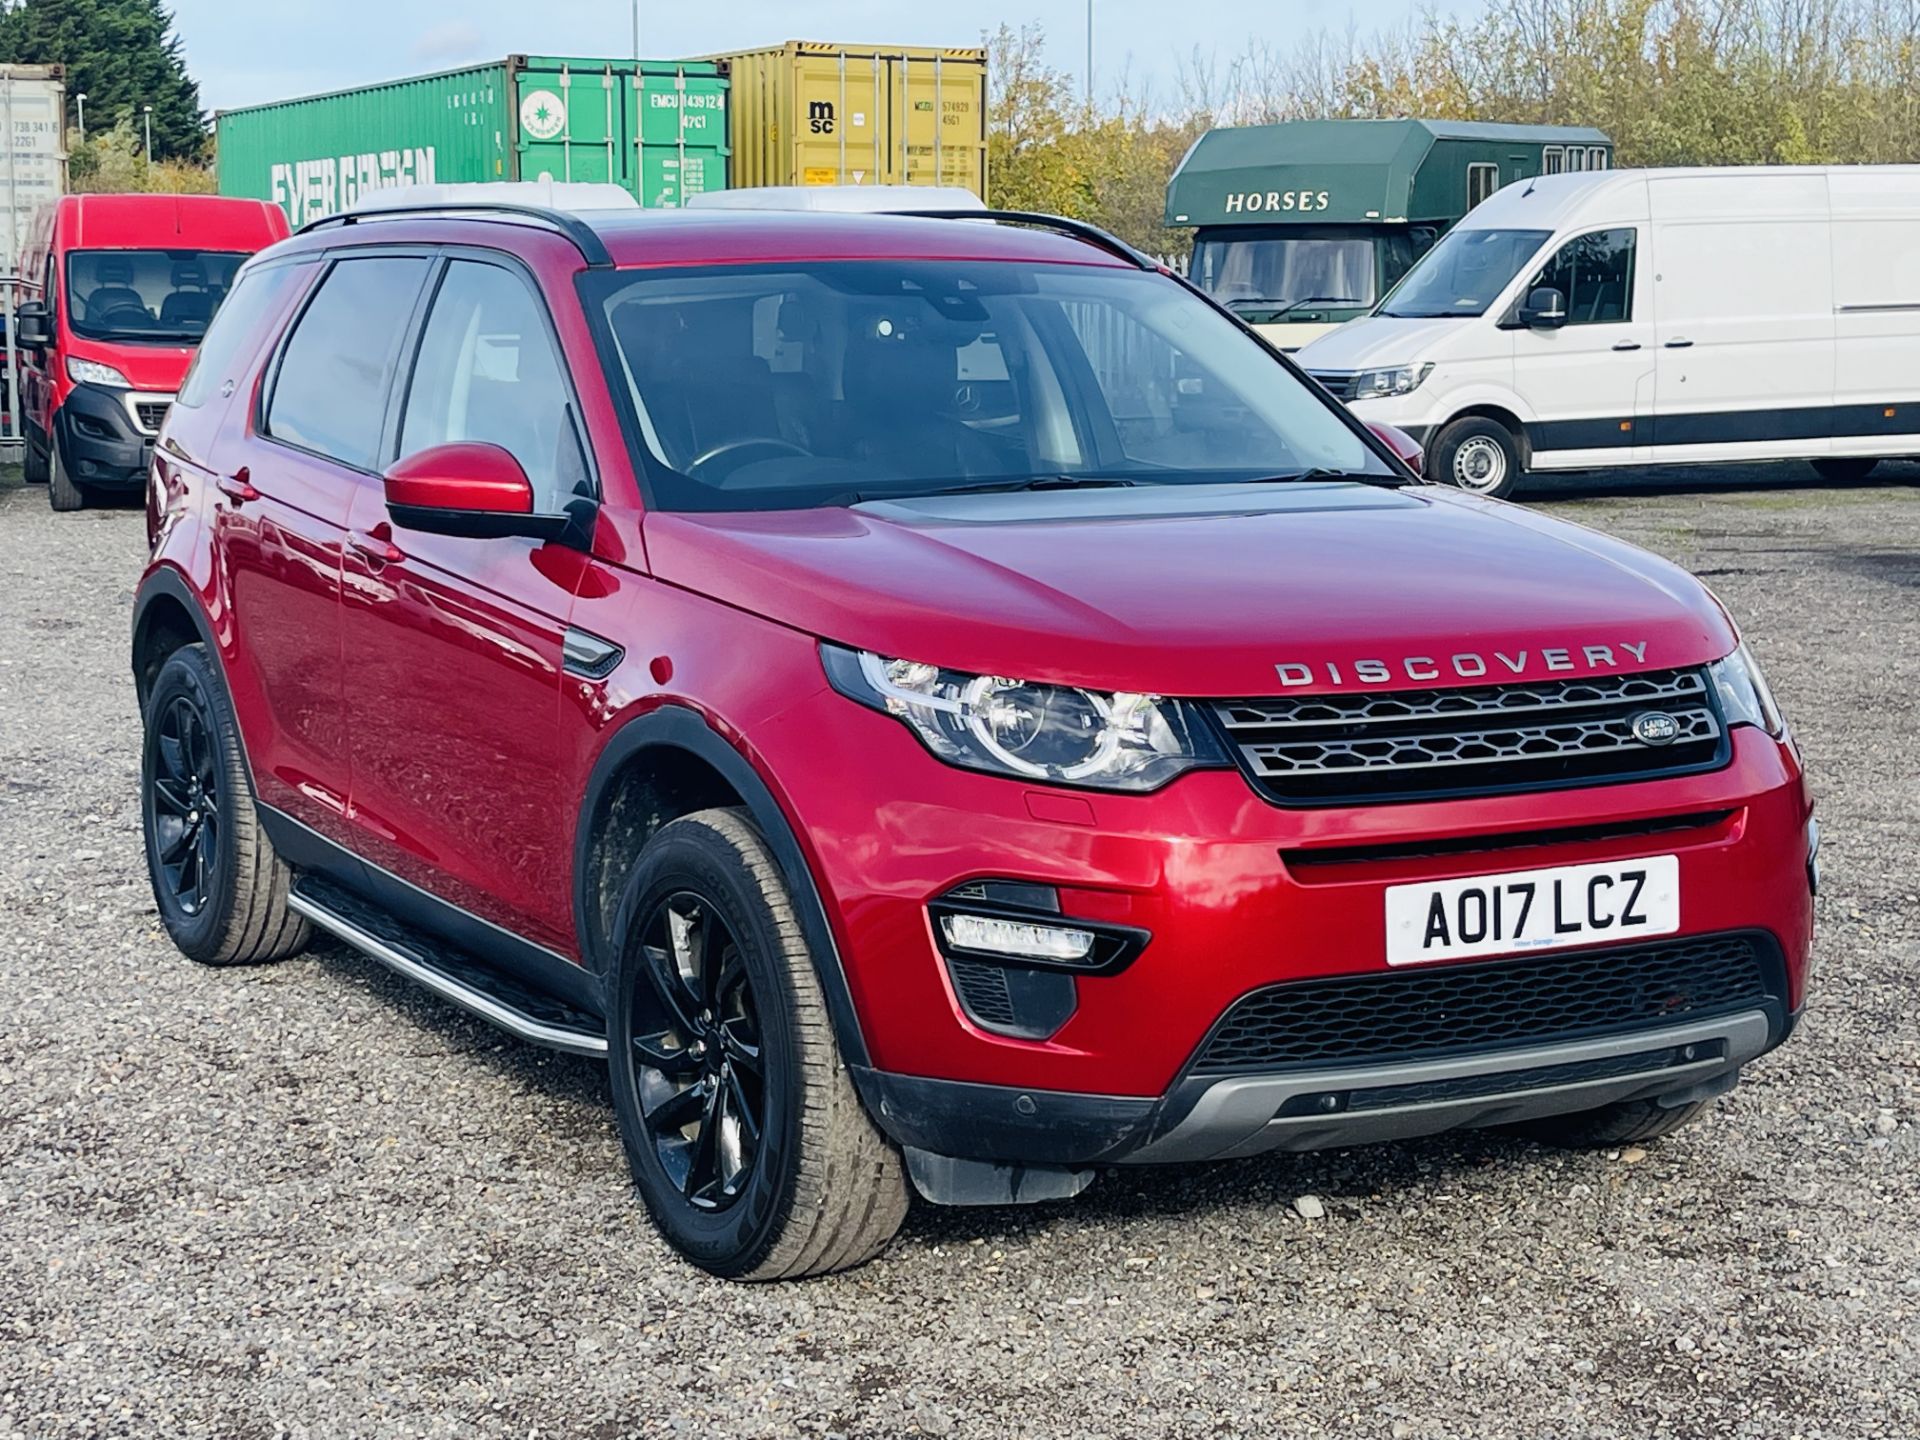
column 1403, row 445
column 124, row 222
column 462, row 476
column 404, row 692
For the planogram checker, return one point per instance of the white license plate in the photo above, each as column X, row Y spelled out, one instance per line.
column 1533, row 910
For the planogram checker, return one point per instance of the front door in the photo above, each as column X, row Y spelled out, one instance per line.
column 1587, row 384
column 279, row 519
column 453, row 646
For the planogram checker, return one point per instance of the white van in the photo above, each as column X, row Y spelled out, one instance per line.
column 1635, row 317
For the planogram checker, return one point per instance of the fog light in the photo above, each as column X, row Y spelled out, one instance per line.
column 1018, row 939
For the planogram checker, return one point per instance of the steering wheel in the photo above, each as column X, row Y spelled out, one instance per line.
column 119, row 314
column 769, row 444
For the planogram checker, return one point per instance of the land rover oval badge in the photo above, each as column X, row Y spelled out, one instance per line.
column 1655, row 727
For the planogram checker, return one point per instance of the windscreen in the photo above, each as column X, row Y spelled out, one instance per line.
column 1464, row 273
column 759, row 388
column 1286, row 271
column 161, row 295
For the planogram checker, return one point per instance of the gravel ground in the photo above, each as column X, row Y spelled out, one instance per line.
column 307, row 1200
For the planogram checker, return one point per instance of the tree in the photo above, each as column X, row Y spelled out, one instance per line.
column 122, row 55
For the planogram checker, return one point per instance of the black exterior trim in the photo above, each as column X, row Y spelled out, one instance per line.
column 307, row 849
column 1002, row 1122
column 588, row 655
column 92, row 428
column 674, row 727
column 1727, row 427
column 584, row 237
column 169, row 583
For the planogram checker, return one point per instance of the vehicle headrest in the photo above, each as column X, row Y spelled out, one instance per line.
column 114, row 271
column 188, row 272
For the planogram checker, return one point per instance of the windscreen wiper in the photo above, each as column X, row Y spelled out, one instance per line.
column 1034, row 482
column 1320, row 300
column 1321, row 472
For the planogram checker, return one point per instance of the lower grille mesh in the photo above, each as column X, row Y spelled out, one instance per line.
column 1418, row 1014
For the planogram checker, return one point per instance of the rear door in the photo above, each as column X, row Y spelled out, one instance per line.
column 454, row 646
column 285, row 487
column 1744, row 318
column 1585, row 383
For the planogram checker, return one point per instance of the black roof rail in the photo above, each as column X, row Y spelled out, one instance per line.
column 1078, row 229
column 584, row 237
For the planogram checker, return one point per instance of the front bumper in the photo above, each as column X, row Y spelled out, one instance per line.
column 1238, row 895
column 100, row 444
column 1230, row 1117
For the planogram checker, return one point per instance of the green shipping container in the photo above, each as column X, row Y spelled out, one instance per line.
column 655, row 128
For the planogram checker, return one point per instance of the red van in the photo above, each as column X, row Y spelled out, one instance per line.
column 127, row 285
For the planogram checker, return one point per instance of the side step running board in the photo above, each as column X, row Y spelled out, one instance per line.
column 452, row 974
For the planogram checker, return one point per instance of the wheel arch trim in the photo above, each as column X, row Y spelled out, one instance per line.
column 676, row 727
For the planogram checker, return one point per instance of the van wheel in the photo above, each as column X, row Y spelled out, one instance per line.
column 746, row 1139
column 34, row 463
column 1478, row 455
column 220, row 887
column 62, row 493
column 1845, row 469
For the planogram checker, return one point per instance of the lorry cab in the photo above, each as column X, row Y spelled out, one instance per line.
column 1303, row 225
column 120, row 289
column 1645, row 317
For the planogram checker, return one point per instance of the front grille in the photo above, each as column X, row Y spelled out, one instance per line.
column 1416, row 744
column 1338, row 384
column 1486, row 1005
column 151, row 413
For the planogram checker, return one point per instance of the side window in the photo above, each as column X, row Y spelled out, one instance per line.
column 487, row 372
column 1595, row 273
column 1482, row 181
column 233, row 325
column 330, row 394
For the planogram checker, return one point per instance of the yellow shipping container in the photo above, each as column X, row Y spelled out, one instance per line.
column 806, row 113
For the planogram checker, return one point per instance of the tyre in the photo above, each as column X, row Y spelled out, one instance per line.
column 220, row 888
column 1476, row 454
column 753, row 1154
column 33, row 463
column 1845, row 468
column 1623, row 1123
column 62, row 493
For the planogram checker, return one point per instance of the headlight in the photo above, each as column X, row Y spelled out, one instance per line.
column 1111, row 741
column 1401, row 380
column 92, row 372
column 1744, row 695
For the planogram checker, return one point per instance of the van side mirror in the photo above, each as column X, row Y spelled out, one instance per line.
column 31, row 325
column 466, row 488
column 1546, row 309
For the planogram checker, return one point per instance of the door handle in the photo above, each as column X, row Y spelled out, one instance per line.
column 377, row 549
column 1626, row 344
column 1679, row 344
column 237, row 487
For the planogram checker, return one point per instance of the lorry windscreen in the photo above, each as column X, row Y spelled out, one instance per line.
column 1285, row 270
column 773, row 387
column 157, row 295
column 1463, row 274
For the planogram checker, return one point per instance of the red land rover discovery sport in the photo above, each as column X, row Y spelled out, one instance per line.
column 938, row 705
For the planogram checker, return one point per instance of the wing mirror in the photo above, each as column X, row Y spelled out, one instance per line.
column 30, row 324
column 467, row 488
column 1404, row 447
column 1546, row 309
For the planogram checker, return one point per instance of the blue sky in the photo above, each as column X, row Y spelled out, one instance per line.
column 244, row 52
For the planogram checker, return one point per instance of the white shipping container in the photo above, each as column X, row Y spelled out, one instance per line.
column 33, row 167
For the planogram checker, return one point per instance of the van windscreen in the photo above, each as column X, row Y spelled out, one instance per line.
column 158, row 295
column 1463, row 274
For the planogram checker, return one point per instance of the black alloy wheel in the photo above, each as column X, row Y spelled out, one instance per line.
column 698, row 1064
column 183, row 800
